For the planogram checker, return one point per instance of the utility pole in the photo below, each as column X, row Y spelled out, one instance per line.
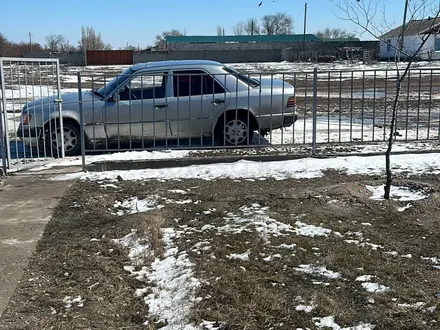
column 30, row 40
column 402, row 36
column 252, row 27
column 223, row 32
column 305, row 27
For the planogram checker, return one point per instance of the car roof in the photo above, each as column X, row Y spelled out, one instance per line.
column 161, row 64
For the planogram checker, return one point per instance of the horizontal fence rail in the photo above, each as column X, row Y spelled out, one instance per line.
column 104, row 110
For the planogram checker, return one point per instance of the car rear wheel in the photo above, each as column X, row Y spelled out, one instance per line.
column 235, row 130
column 71, row 136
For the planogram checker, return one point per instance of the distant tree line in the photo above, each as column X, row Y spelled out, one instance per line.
column 17, row 49
column 55, row 43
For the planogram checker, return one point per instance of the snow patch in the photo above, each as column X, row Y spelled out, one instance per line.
column 134, row 205
column 305, row 308
column 139, row 247
column 317, row 270
column 70, row 302
column 364, row 278
column 304, row 229
column 328, row 322
column 239, row 256
column 173, row 293
column 396, row 193
column 279, row 170
column 375, row 287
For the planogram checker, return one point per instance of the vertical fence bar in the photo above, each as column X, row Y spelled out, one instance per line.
column 363, row 106
column 305, row 110
column 60, row 109
column 296, row 107
column 374, row 103
column 351, row 106
column 340, row 105
column 248, row 112
column 13, row 106
column 259, row 111
column 271, row 106
column 5, row 113
column 418, row 105
column 328, row 106
column 282, row 111
column 42, row 112
column 33, row 98
column 385, row 107
column 315, row 97
column 81, row 124
column 429, row 105
column 3, row 130
column 55, row 122
column 407, row 104
column 29, row 128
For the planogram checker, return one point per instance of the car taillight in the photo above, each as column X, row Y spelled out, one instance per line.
column 291, row 102
column 26, row 118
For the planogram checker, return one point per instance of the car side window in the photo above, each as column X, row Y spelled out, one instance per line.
column 145, row 87
column 195, row 82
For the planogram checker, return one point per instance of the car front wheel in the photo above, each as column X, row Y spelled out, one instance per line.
column 71, row 136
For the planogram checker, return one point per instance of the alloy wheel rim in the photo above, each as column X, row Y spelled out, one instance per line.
column 235, row 132
column 70, row 139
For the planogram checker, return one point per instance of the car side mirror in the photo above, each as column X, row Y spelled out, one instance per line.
column 115, row 98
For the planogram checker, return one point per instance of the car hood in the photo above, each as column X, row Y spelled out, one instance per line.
column 70, row 101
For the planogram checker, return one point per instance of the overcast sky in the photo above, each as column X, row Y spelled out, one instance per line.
column 137, row 22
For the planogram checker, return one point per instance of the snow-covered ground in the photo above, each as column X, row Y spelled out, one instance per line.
column 306, row 168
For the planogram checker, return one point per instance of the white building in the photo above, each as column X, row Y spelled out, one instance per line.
column 415, row 32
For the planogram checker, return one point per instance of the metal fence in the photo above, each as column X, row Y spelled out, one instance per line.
column 22, row 81
column 332, row 107
column 189, row 109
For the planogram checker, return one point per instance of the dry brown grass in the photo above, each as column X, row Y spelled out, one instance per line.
column 253, row 294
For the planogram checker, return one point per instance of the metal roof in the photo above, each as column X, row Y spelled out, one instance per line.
column 156, row 64
column 415, row 27
column 255, row 38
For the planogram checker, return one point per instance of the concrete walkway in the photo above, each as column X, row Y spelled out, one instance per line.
column 27, row 202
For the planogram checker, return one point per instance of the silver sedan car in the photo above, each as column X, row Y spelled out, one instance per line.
column 164, row 101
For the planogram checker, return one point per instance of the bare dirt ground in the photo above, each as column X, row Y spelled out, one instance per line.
column 269, row 255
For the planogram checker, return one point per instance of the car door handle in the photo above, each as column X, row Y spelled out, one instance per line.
column 218, row 101
column 161, row 106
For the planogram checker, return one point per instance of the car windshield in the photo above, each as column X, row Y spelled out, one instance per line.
column 242, row 77
column 104, row 90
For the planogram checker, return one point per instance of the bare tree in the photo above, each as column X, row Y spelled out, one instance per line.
column 239, row 29
column 4, row 45
column 279, row 23
column 219, row 30
column 160, row 38
column 54, row 42
column 90, row 40
column 252, row 27
column 364, row 13
column 334, row 33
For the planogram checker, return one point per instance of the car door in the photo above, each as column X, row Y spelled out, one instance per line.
column 140, row 110
column 196, row 98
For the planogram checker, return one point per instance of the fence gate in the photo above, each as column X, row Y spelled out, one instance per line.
column 30, row 106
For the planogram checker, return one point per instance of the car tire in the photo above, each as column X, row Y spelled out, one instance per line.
column 72, row 140
column 234, row 130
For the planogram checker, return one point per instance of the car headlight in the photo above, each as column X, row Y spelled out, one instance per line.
column 26, row 118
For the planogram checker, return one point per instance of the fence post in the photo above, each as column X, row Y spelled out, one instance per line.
column 81, row 124
column 59, row 102
column 3, row 116
column 315, row 97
